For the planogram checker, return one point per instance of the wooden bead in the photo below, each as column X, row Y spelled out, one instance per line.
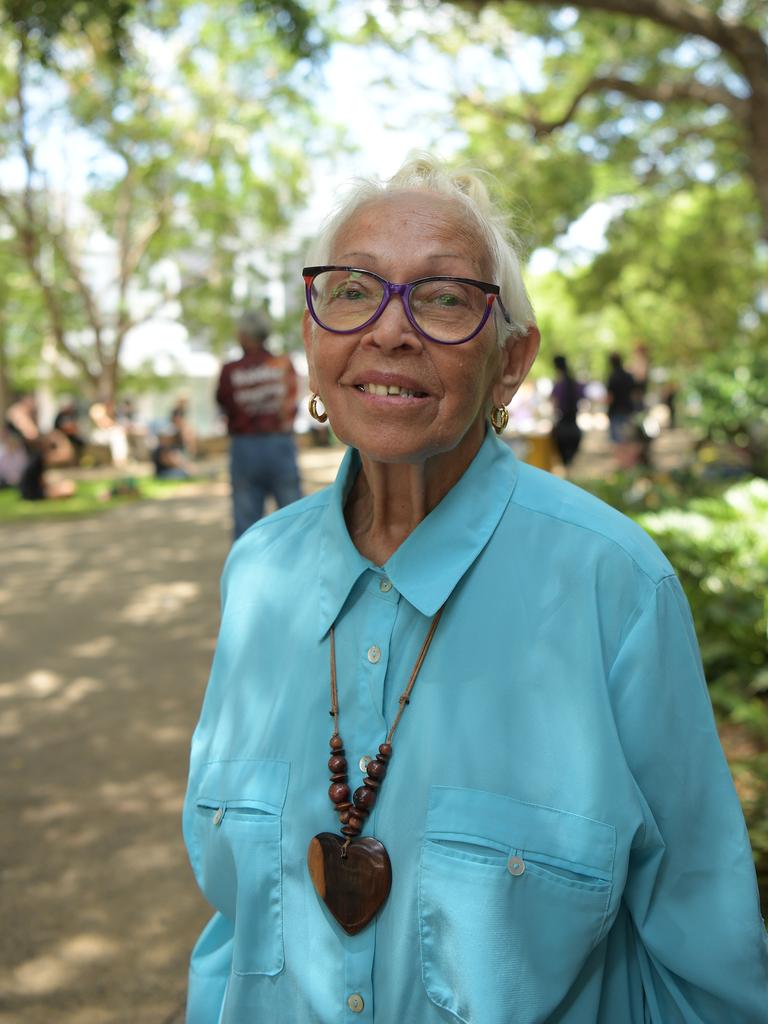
column 351, row 830
column 345, row 806
column 364, row 798
column 377, row 769
column 356, row 818
column 336, row 763
column 371, row 783
column 338, row 792
column 344, row 817
column 337, row 743
column 385, row 749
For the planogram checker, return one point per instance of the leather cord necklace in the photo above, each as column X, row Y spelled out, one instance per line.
column 353, row 874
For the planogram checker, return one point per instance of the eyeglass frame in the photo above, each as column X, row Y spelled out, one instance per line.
column 492, row 294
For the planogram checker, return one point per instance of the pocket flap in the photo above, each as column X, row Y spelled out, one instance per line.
column 257, row 783
column 466, row 814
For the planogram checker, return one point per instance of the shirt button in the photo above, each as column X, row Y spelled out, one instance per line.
column 355, row 1003
column 218, row 816
column 364, row 762
column 374, row 654
column 516, row 865
column 385, row 586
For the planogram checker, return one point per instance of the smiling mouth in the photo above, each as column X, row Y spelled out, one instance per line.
column 390, row 391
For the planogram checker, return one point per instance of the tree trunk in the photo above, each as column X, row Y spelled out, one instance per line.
column 757, row 145
column 106, row 385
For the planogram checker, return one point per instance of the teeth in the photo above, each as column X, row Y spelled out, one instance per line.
column 383, row 390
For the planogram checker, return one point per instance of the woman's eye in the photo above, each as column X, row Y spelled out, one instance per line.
column 442, row 298
column 348, row 291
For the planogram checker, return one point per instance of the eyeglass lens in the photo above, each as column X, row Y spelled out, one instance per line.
column 344, row 300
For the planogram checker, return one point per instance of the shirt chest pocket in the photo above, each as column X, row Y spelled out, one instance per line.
column 238, row 838
column 512, row 899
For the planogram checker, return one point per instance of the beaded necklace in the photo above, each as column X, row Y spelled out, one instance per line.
column 353, row 874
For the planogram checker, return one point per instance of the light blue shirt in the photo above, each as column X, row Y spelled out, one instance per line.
column 565, row 839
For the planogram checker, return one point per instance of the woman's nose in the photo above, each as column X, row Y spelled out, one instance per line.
column 393, row 329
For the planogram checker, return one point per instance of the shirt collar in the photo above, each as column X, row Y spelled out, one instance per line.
column 431, row 561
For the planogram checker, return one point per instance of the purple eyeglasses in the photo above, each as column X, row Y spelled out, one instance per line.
column 446, row 310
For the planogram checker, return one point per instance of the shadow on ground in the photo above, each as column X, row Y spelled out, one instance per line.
column 108, row 628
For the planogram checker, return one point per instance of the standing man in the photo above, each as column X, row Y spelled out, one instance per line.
column 257, row 393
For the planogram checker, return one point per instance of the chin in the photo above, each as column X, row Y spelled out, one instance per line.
column 380, row 450
column 412, row 444
column 400, row 450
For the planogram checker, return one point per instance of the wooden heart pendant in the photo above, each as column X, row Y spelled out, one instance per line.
column 353, row 886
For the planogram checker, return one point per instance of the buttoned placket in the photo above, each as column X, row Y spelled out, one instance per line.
column 363, row 728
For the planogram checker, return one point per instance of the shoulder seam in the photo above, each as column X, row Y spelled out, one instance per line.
column 638, row 613
column 286, row 512
column 611, row 540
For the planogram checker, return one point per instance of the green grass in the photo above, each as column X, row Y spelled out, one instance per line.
column 90, row 497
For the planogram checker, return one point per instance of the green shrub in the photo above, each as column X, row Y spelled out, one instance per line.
column 716, row 537
column 719, row 547
column 727, row 402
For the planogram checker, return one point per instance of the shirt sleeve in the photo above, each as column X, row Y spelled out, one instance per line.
column 691, row 889
column 224, row 391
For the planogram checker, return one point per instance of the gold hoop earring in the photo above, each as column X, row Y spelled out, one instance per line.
column 321, row 417
column 499, row 418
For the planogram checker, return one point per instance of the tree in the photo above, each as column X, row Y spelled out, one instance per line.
column 619, row 105
column 43, row 23
column 195, row 164
column 645, row 60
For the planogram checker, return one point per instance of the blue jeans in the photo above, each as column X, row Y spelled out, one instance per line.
column 261, row 465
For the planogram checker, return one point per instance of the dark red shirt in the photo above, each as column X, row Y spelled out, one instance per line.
column 258, row 394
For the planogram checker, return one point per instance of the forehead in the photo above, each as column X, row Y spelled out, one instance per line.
column 412, row 223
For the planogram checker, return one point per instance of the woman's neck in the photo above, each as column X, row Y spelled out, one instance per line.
column 389, row 500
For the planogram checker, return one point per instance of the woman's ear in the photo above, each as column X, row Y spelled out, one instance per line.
column 307, row 332
column 518, row 354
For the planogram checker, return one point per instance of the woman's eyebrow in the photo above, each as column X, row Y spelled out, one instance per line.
column 352, row 255
column 428, row 256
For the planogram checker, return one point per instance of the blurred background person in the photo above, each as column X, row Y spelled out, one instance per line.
column 257, row 394
column 620, row 393
column 639, row 365
column 13, row 459
column 136, row 432
column 68, row 422
column 42, row 451
column 169, row 458
column 184, row 432
column 108, row 430
column 567, row 392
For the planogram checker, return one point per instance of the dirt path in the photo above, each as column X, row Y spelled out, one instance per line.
column 107, row 629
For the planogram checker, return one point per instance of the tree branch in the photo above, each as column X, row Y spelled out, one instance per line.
column 689, row 18
column 662, row 93
column 135, row 252
column 61, row 246
column 27, row 227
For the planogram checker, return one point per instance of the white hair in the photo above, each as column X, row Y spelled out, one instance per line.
column 254, row 325
column 425, row 173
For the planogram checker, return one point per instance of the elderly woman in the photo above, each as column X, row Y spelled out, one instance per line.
column 518, row 810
